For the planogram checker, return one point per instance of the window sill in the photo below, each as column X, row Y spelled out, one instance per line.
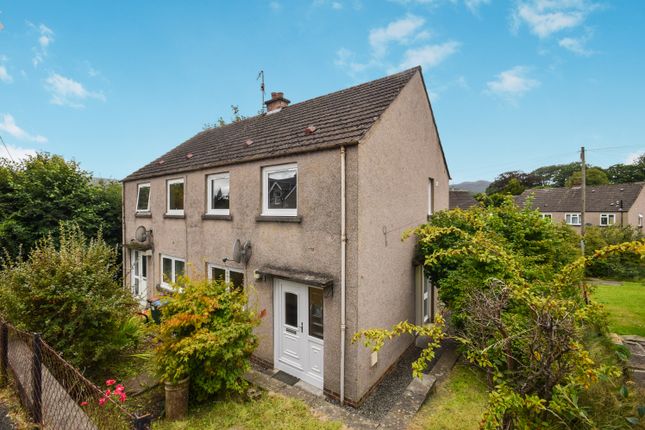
column 217, row 217
column 143, row 215
column 174, row 216
column 275, row 218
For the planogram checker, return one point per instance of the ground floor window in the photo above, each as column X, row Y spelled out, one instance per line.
column 226, row 274
column 607, row 219
column 171, row 269
column 546, row 216
column 572, row 218
column 425, row 297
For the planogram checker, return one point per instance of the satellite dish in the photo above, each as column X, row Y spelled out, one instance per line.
column 242, row 253
column 141, row 234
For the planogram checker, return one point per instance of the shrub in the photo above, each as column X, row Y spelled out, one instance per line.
column 68, row 292
column 206, row 333
column 622, row 266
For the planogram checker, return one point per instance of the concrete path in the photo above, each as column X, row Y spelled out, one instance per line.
column 636, row 364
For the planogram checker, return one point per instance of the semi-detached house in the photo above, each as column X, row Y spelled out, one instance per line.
column 320, row 192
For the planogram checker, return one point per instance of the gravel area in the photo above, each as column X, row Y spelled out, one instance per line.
column 5, row 421
column 390, row 389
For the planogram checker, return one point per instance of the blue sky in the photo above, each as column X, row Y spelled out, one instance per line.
column 514, row 84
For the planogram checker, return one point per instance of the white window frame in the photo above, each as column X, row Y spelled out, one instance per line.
column 209, row 179
column 546, row 215
column 227, row 272
column 170, row 182
column 606, row 217
column 265, row 190
column 424, row 297
column 143, row 185
column 640, row 220
column 173, row 279
column 569, row 215
column 430, row 196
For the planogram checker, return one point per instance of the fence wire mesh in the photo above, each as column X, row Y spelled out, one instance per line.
column 55, row 393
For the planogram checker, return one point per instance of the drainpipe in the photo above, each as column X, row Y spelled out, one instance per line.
column 343, row 245
column 123, row 256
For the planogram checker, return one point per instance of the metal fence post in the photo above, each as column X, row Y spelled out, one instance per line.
column 4, row 353
column 37, row 379
column 142, row 422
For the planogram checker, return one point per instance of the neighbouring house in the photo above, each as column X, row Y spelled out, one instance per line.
column 318, row 194
column 461, row 199
column 616, row 204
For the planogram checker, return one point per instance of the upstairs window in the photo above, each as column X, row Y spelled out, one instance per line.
column 280, row 190
column 171, row 269
column 143, row 198
column 572, row 219
column 175, row 197
column 218, row 194
column 640, row 220
column 430, row 196
column 607, row 219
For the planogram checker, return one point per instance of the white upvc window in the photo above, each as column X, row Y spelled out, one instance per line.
column 572, row 218
column 280, row 190
column 640, row 220
column 218, row 189
column 143, row 197
column 175, row 196
column 424, row 302
column 607, row 219
column 226, row 274
column 546, row 216
column 430, row 196
column 171, row 269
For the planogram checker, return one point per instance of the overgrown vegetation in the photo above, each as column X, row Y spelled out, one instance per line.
column 627, row 265
column 522, row 313
column 39, row 192
column 206, row 334
column 67, row 290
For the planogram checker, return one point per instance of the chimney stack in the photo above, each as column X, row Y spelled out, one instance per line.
column 277, row 102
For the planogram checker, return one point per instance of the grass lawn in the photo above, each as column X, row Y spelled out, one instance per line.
column 626, row 306
column 458, row 403
column 271, row 411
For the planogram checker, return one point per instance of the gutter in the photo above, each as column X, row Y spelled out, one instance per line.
column 343, row 246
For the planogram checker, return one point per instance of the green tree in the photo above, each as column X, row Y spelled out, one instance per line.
column 514, row 182
column 595, row 176
column 235, row 117
column 623, row 173
column 67, row 291
column 555, row 175
column 41, row 191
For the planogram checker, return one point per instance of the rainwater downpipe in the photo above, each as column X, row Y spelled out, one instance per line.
column 343, row 245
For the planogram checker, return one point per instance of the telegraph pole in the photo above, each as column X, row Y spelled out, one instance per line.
column 584, row 199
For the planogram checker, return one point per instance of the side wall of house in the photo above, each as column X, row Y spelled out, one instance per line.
column 395, row 161
column 638, row 208
column 312, row 245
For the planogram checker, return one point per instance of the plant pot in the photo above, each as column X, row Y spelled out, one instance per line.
column 177, row 399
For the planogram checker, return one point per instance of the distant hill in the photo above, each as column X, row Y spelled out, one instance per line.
column 472, row 186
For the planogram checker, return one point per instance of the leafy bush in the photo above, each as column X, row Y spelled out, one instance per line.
column 69, row 294
column 623, row 266
column 206, row 333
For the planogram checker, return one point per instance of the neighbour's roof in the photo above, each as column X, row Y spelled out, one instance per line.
column 600, row 198
column 339, row 118
column 461, row 199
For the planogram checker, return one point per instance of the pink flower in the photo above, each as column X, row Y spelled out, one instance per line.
column 102, row 401
column 119, row 389
column 84, row 403
column 122, row 397
column 110, row 382
column 107, row 393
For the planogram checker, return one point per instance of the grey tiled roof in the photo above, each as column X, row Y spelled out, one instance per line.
column 461, row 199
column 339, row 118
column 600, row 198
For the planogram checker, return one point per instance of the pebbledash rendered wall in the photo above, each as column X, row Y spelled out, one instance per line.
column 387, row 177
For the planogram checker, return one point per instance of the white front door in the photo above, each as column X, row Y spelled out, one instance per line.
column 139, row 276
column 299, row 331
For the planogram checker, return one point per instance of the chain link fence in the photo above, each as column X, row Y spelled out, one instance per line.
column 55, row 394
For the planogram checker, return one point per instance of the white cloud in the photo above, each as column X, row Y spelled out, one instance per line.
column 428, row 56
column 512, row 84
column 473, row 5
column 5, row 76
column 346, row 59
column 9, row 126
column 575, row 45
column 633, row 157
column 399, row 31
column 336, row 5
column 15, row 153
column 45, row 38
column 275, row 6
column 68, row 92
column 546, row 17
